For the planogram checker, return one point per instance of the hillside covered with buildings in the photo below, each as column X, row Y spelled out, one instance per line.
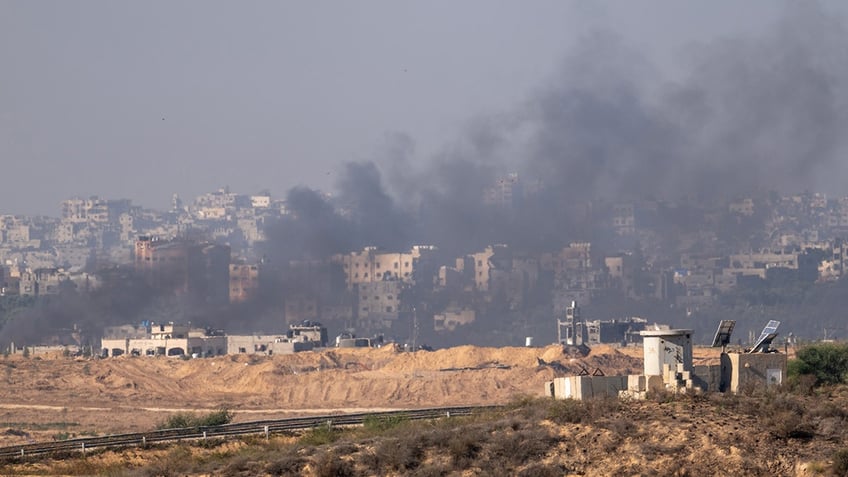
column 256, row 264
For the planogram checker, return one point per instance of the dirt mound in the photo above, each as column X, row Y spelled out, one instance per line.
column 137, row 392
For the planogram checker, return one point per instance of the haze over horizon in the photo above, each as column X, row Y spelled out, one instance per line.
column 141, row 101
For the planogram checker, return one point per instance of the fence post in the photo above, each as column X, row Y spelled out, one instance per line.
column 266, row 432
column 447, row 414
column 143, row 441
column 204, row 435
column 83, row 448
column 329, row 423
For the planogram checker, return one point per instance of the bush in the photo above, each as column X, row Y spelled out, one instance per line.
column 840, row 462
column 566, row 411
column 182, row 420
column 320, row 436
column 402, row 455
column 331, row 464
column 383, row 423
column 286, row 464
column 827, row 362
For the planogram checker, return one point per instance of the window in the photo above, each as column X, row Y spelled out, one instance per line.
column 388, row 309
column 378, row 264
column 479, row 263
column 406, row 264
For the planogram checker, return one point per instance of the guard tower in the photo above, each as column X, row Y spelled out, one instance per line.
column 667, row 347
column 572, row 330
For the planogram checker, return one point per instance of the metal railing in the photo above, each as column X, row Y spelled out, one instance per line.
column 265, row 427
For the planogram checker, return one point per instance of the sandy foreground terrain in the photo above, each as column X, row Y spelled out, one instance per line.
column 48, row 397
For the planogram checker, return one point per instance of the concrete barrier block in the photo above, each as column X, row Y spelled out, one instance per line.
column 636, row 382
column 655, row 383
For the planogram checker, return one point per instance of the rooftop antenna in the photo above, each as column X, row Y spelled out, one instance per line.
column 722, row 335
column 768, row 335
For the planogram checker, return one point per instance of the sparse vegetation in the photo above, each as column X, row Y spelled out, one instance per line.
column 827, row 362
column 530, row 437
column 840, row 462
column 190, row 419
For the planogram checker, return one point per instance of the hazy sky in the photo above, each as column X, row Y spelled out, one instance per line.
column 145, row 99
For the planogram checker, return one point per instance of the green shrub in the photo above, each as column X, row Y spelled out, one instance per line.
column 189, row 419
column 383, row 423
column 828, row 362
column 320, row 436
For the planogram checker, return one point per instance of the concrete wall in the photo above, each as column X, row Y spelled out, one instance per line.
column 586, row 387
column 208, row 346
column 251, row 344
column 756, row 370
column 289, row 347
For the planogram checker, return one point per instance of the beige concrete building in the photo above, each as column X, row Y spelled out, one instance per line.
column 482, row 265
column 624, row 219
column 372, row 265
column 167, row 340
column 758, row 264
column 742, row 207
column 94, row 209
column 504, row 192
column 244, row 282
column 450, row 319
column 185, row 267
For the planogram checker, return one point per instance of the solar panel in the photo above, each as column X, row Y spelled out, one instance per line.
column 722, row 336
column 766, row 337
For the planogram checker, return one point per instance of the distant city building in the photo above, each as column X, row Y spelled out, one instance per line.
column 372, row 265
column 244, row 282
column 186, row 267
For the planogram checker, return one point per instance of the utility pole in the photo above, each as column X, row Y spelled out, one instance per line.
column 414, row 328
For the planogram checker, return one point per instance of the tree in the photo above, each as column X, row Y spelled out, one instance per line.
column 827, row 362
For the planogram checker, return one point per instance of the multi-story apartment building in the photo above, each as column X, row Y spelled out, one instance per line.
column 379, row 304
column 372, row 265
column 757, row 264
column 244, row 282
column 94, row 209
column 201, row 270
column 505, row 192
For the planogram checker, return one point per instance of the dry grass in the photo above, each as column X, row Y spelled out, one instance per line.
column 766, row 434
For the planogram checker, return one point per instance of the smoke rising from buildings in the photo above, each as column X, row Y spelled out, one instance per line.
column 747, row 115
column 750, row 113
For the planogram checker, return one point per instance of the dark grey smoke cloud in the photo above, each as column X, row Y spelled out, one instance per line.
column 761, row 113
column 749, row 115
column 312, row 230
